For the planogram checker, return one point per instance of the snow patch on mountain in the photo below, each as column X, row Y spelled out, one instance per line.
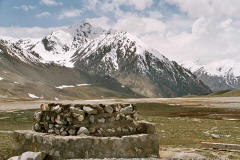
column 1, row 78
column 84, row 84
column 65, row 86
column 32, row 96
column 219, row 68
column 71, row 86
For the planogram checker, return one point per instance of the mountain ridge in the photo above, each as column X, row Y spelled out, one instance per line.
column 110, row 54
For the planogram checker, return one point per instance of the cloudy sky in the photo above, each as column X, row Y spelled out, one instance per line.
column 206, row 31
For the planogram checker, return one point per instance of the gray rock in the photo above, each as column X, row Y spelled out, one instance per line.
column 108, row 109
column 101, row 120
column 118, row 117
column 14, row 158
column 89, row 110
column 37, row 116
column 72, row 132
column 92, row 119
column 83, row 130
column 32, row 156
column 128, row 117
column 37, row 127
column 59, row 120
column 76, row 110
column 57, row 131
column 51, row 131
column 57, row 109
column 127, row 110
column 215, row 136
column 80, row 117
column 50, row 126
column 111, row 130
column 92, row 130
column 64, row 133
column 48, row 118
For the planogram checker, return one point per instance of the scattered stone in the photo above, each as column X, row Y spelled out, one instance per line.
column 14, row 158
column 108, row 109
column 79, row 117
column 89, row 110
column 72, row 132
column 57, row 131
column 59, row 120
column 57, row 109
column 76, row 110
column 127, row 110
column 30, row 156
column 92, row 130
column 215, row 136
column 91, row 118
column 83, row 130
column 37, row 116
column 66, row 119
column 64, row 133
column 37, row 127
column 51, row 131
column 50, row 126
column 128, row 117
column 101, row 120
column 118, row 117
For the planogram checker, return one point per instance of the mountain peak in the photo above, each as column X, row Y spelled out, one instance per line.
column 84, row 29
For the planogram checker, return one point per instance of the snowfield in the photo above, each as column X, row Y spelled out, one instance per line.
column 71, row 86
column 32, row 96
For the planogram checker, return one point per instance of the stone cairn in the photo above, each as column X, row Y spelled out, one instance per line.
column 84, row 119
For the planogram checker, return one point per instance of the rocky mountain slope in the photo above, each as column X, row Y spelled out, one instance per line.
column 83, row 54
column 223, row 76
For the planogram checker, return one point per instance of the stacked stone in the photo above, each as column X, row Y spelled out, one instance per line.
column 80, row 119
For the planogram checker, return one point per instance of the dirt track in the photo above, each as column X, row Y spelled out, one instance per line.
column 220, row 102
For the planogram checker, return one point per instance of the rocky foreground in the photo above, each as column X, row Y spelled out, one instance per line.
column 97, row 120
column 72, row 131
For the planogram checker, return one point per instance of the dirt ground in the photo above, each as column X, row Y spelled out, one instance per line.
column 217, row 102
column 182, row 123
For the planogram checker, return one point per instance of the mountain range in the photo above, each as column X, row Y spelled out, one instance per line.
column 83, row 61
column 223, row 75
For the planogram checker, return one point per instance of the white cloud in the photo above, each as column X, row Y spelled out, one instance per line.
column 43, row 14
column 210, row 8
column 51, row 3
column 140, row 4
column 114, row 5
column 26, row 32
column 102, row 22
column 25, row 7
column 139, row 25
column 70, row 13
column 155, row 14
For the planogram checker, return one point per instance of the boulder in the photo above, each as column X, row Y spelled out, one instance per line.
column 108, row 109
column 83, row 130
column 30, row 156
column 127, row 110
column 90, row 110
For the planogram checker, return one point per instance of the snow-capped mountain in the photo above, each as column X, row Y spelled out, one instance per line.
column 221, row 75
column 110, row 54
